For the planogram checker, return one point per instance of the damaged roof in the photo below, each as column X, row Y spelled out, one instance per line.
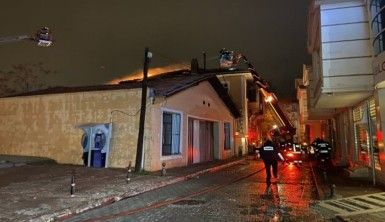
column 170, row 83
column 74, row 89
column 166, row 84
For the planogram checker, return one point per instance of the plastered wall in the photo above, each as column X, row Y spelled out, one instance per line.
column 189, row 103
column 46, row 125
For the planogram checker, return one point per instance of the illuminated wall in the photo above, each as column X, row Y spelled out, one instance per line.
column 199, row 102
column 46, row 125
column 339, row 41
column 237, row 87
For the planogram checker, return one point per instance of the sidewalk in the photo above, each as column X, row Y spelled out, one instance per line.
column 33, row 189
column 346, row 187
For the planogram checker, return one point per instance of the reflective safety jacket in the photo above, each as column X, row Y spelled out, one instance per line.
column 269, row 151
column 323, row 147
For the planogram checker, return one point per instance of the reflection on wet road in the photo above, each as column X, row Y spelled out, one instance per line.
column 235, row 194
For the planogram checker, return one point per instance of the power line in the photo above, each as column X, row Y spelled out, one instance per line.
column 183, row 63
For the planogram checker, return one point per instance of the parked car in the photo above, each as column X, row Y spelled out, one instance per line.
column 293, row 153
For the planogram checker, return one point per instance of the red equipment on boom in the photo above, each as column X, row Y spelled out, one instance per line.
column 229, row 60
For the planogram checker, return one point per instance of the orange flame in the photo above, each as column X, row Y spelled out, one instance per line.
column 151, row 72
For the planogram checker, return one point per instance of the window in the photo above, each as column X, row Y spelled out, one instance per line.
column 226, row 127
column 171, row 134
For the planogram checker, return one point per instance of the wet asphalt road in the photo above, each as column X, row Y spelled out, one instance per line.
column 234, row 194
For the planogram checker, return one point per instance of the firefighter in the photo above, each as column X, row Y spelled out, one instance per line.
column 323, row 151
column 269, row 154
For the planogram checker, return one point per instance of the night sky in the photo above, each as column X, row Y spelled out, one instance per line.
column 97, row 41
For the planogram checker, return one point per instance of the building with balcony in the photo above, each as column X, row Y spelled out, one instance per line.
column 346, row 83
column 339, row 42
column 308, row 129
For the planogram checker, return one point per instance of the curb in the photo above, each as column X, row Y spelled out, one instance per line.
column 65, row 214
column 10, row 164
column 339, row 218
column 320, row 189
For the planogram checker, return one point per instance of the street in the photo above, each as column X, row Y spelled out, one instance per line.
column 176, row 110
column 237, row 193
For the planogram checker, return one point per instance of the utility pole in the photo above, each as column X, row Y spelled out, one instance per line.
column 139, row 148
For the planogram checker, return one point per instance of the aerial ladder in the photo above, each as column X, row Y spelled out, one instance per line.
column 43, row 38
column 229, row 60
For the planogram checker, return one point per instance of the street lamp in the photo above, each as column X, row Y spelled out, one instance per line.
column 42, row 37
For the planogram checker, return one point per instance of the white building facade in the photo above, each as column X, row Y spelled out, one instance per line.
column 347, row 82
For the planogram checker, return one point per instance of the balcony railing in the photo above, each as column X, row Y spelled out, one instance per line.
column 377, row 11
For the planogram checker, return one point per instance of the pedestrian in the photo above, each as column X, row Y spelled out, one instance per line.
column 269, row 154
